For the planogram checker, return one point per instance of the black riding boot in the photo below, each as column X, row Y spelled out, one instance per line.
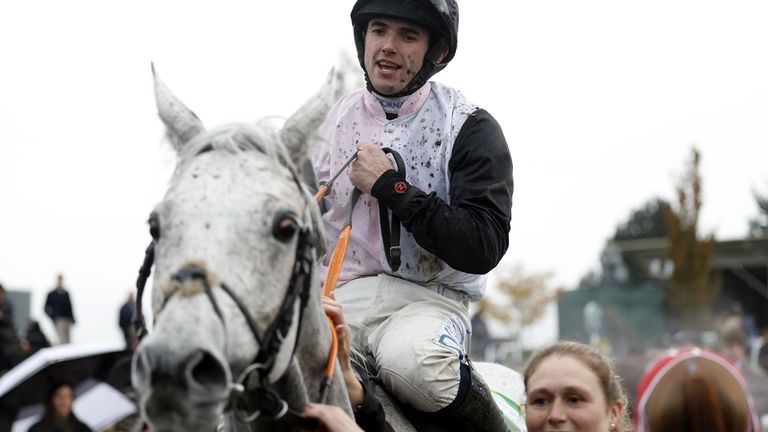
column 473, row 410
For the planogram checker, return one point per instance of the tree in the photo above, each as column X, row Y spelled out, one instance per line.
column 526, row 297
column 692, row 289
column 648, row 221
column 758, row 226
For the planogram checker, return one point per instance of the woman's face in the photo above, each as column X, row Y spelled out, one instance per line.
column 62, row 401
column 564, row 394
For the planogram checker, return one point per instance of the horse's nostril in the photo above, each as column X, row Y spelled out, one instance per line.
column 189, row 272
column 205, row 370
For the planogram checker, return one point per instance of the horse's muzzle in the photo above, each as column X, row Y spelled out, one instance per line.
column 200, row 376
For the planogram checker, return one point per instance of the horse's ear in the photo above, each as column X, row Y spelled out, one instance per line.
column 181, row 124
column 301, row 127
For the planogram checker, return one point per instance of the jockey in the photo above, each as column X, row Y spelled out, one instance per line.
column 407, row 305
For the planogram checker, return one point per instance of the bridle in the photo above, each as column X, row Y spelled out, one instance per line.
column 263, row 401
column 251, row 399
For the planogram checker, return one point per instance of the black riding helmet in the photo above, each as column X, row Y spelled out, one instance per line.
column 440, row 17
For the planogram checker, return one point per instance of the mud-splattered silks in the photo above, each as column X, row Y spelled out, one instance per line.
column 423, row 133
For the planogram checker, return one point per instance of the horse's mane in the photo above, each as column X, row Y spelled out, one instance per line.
column 262, row 136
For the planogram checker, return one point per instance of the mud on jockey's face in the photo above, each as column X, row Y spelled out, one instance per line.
column 394, row 53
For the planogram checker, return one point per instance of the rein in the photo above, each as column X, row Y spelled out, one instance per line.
column 390, row 238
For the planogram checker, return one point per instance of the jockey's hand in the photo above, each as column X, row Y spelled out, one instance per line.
column 331, row 418
column 335, row 312
column 370, row 164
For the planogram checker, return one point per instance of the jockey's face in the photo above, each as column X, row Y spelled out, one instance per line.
column 394, row 53
column 565, row 395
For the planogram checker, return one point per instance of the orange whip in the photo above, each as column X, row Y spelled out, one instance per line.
column 334, row 269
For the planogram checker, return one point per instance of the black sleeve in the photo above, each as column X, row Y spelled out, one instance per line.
column 472, row 233
column 371, row 416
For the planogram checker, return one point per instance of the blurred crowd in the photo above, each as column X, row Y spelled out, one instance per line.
column 17, row 344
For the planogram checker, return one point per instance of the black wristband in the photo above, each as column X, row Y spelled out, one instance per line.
column 392, row 190
column 385, row 181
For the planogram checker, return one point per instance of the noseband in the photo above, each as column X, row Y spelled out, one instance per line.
column 250, row 399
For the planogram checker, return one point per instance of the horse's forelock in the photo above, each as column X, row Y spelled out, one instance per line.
column 262, row 136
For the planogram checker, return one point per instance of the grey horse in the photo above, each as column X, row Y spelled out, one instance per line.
column 239, row 339
column 238, row 322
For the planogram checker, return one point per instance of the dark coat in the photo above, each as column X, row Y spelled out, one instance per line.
column 126, row 318
column 47, row 425
column 58, row 305
column 6, row 313
column 36, row 339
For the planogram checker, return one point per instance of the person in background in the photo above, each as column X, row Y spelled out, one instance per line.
column 58, row 307
column 58, row 416
column 571, row 386
column 9, row 340
column 481, row 338
column 125, row 321
column 762, row 353
column 692, row 389
column 34, row 338
column 6, row 309
column 733, row 346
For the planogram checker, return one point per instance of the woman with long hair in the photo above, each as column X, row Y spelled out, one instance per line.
column 58, row 415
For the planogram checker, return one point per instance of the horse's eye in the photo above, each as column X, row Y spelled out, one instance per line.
column 285, row 226
column 154, row 225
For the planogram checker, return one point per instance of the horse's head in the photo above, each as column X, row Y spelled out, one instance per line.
column 234, row 251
